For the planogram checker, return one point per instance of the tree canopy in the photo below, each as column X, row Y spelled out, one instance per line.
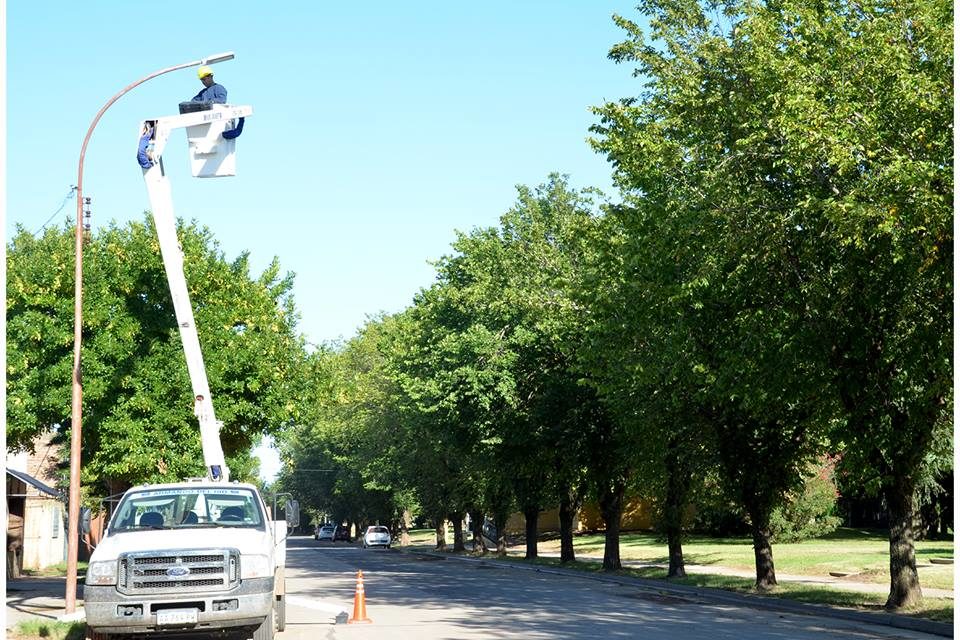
column 138, row 417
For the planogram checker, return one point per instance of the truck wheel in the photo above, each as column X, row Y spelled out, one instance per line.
column 90, row 634
column 265, row 630
column 281, row 607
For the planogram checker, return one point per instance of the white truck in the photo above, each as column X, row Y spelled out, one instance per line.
column 204, row 555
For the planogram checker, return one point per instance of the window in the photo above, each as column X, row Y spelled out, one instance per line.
column 188, row 507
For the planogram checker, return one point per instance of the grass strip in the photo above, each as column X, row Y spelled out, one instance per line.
column 862, row 554
column 48, row 630
column 56, row 570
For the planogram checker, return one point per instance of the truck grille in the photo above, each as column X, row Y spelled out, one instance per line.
column 179, row 570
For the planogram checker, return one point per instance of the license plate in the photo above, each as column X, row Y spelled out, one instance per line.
column 177, row 616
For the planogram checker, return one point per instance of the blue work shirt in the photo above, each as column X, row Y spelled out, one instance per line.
column 215, row 93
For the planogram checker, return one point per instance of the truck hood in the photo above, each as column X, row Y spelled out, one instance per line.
column 247, row 541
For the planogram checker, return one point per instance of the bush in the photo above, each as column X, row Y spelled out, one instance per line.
column 720, row 518
column 809, row 511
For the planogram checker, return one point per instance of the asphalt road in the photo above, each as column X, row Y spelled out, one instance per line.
column 422, row 597
column 413, row 596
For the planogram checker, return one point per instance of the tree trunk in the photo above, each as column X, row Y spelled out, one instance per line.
column 531, row 515
column 500, row 522
column 440, row 527
column 405, row 521
column 904, row 582
column 457, row 519
column 476, row 527
column 675, row 551
column 569, row 505
column 611, row 508
column 763, row 552
column 678, row 488
column 946, row 502
column 946, row 512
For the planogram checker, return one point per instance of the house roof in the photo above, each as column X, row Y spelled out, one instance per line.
column 24, row 477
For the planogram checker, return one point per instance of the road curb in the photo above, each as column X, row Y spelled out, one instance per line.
column 78, row 615
column 724, row 597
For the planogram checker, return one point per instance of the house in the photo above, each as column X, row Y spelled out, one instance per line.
column 35, row 509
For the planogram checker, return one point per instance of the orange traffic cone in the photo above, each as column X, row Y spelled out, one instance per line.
column 359, row 603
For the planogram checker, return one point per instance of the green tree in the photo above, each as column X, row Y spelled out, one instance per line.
column 360, row 451
column 500, row 333
column 717, row 339
column 138, row 419
column 802, row 154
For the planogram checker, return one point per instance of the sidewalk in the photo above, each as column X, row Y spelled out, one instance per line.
column 32, row 598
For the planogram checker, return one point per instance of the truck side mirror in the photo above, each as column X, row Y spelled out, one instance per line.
column 84, row 520
column 292, row 509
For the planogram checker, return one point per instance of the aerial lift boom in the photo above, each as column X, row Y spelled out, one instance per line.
column 212, row 155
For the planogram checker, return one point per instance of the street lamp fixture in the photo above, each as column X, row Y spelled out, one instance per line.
column 73, row 539
column 217, row 57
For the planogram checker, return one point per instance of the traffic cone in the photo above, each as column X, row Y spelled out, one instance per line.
column 359, row 603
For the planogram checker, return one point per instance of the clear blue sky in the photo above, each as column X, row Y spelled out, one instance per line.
column 379, row 128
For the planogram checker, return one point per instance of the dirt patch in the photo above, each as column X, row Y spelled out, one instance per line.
column 870, row 575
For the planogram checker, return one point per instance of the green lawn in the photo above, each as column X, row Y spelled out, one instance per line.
column 56, row 570
column 862, row 554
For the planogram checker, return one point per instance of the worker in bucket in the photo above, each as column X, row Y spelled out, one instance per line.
column 145, row 147
column 211, row 92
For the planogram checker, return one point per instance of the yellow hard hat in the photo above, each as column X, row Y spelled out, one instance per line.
column 204, row 71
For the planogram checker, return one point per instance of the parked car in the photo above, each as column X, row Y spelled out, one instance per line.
column 342, row 533
column 376, row 536
column 324, row 533
column 490, row 530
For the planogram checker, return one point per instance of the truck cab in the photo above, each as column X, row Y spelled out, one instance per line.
column 199, row 556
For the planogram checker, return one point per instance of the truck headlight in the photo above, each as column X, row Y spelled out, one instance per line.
column 255, row 566
column 102, row 573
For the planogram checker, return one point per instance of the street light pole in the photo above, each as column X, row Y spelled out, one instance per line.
column 73, row 539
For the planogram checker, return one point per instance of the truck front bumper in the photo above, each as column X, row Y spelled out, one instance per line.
column 109, row 611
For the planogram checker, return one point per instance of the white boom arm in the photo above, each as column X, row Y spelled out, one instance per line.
column 211, row 156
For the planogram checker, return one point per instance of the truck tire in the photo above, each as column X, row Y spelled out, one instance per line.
column 265, row 630
column 90, row 634
column 281, row 607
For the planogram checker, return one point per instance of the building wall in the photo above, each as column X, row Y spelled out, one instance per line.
column 549, row 520
column 637, row 515
column 41, row 464
column 43, row 535
column 43, row 538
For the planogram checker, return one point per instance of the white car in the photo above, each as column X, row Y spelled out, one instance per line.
column 325, row 532
column 376, row 536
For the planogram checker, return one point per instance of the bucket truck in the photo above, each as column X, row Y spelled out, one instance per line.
column 203, row 555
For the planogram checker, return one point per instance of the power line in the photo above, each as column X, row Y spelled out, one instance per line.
column 73, row 190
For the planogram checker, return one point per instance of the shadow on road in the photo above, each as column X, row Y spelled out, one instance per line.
column 476, row 598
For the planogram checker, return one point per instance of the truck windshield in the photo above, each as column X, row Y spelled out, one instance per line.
column 187, row 507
